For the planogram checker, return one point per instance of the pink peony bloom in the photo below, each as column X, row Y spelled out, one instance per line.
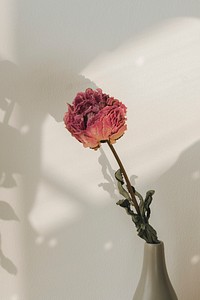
column 95, row 117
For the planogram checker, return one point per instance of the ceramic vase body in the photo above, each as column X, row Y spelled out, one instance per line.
column 154, row 283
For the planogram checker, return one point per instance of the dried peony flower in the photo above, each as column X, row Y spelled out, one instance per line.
column 95, row 117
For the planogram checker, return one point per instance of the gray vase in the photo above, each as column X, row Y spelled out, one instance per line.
column 154, row 283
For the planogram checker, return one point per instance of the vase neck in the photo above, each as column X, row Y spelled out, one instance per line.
column 154, row 282
column 154, row 259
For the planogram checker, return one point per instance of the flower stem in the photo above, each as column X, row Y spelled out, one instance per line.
column 129, row 187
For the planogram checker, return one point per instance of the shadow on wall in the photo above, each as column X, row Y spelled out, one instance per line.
column 29, row 95
column 7, row 214
column 54, row 42
column 6, row 263
column 108, row 174
column 110, row 185
column 178, row 190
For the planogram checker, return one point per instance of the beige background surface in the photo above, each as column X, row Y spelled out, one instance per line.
column 62, row 236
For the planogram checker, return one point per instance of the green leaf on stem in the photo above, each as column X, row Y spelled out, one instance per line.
column 125, row 204
column 141, row 221
column 120, row 183
column 147, row 203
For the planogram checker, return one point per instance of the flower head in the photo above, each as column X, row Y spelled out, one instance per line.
column 95, row 117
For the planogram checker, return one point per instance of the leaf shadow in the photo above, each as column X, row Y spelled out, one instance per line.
column 7, row 212
column 6, row 262
column 108, row 173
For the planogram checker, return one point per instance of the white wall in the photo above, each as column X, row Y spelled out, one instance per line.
column 62, row 236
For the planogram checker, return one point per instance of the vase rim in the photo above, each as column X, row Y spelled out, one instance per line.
column 161, row 243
